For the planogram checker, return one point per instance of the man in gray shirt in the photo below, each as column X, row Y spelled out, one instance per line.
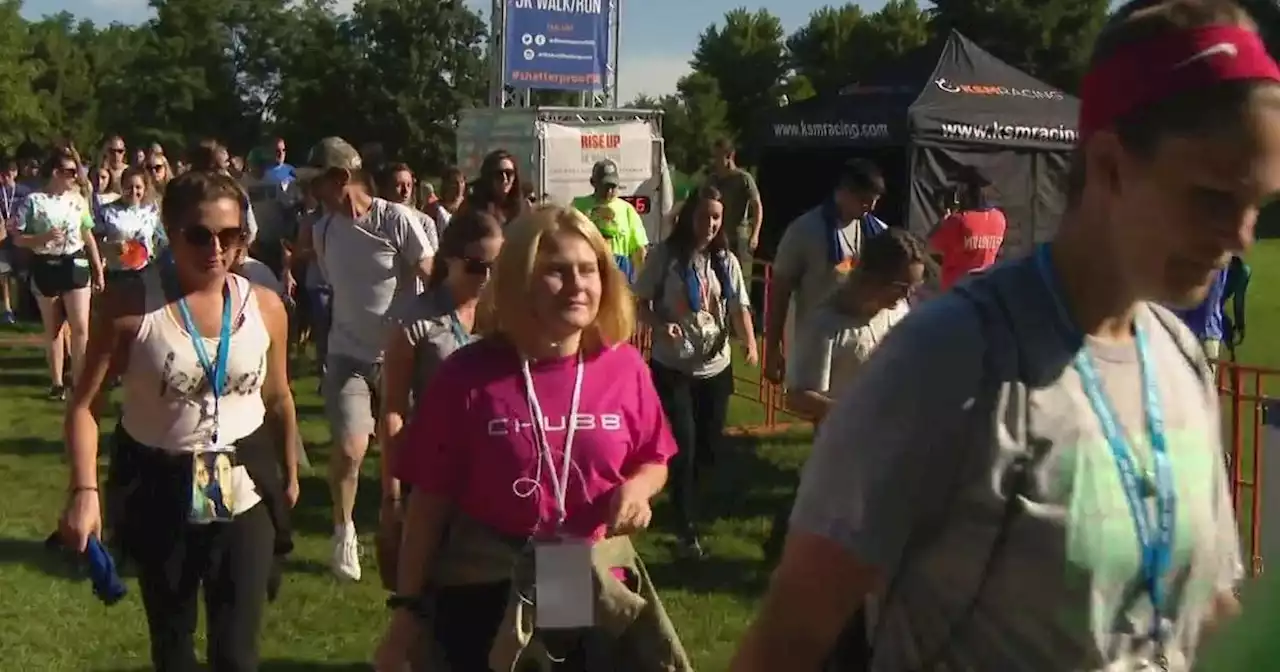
column 373, row 253
column 817, row 251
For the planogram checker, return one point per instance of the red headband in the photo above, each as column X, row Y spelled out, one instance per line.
column 1150, row 71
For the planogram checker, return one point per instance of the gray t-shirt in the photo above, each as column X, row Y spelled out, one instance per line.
column 674, row 306
column 804, row 259
column 429, row 327
column 903, row 457
column 372, row 265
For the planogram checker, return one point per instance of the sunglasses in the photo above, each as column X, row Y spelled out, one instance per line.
column 198, row 236
column 476, row 266
column 116, row 150
column 507, row 174
column 156, row 168
column 65, row 171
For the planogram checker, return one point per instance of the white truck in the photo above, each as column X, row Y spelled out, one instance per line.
column 556, row 148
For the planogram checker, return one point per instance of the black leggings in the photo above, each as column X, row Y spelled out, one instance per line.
column 233, row 562
column 467, row 621
column 697, row 409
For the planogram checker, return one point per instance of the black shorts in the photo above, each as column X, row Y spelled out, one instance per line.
column 53, row 275
column 123, row 277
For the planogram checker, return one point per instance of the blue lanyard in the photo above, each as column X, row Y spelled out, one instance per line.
column 215, row 372
column 1157, row 543
column 459, row 334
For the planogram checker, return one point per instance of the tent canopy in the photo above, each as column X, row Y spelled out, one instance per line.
column 950, row 91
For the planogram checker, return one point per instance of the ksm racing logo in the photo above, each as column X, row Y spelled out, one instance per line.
column 993, row 90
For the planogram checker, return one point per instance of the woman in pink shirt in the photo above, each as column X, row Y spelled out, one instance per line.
column 969, row 240
column 555, row 320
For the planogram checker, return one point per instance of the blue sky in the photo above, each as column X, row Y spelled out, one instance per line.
column 658, row 36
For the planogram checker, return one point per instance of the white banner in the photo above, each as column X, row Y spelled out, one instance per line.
column 571, row 151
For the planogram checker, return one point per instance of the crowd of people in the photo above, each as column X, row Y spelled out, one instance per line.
column 1022, row 471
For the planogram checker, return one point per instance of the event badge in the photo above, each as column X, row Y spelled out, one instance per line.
column 213, row 485
column 563, row 590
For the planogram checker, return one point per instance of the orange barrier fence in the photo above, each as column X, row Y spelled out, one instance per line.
column 1241, row 388
column 1243, row 391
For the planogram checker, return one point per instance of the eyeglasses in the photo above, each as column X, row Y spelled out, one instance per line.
column 199, row 236
column 476, row 266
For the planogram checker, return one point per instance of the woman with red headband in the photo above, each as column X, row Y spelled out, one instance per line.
column 1028, row 475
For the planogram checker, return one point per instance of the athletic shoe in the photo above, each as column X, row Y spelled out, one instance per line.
column 8, row 317
column 346, row 554
column 58, row 393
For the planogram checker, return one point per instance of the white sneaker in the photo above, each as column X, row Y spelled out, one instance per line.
column 346, row 555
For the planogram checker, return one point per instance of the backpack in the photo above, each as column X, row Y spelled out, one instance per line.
column 1238, row 276
column 1004, row 375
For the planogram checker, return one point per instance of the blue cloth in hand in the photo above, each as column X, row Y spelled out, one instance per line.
column 102, row 572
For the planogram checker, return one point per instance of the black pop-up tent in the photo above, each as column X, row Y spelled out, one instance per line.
column 944, row 108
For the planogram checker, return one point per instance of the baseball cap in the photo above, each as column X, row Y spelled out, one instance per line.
column 328, row 154
column 605, row 172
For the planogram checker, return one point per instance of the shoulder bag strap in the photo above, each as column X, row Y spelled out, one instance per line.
column 1000, row 339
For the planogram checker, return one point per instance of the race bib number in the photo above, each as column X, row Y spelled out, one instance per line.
column 213, row 485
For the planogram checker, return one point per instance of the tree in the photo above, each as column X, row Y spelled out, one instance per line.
column 747, row 59
column 18, row 106
column 184, row 78
column 693, row 120
column 1047, row 38
column 425, row 62
column 840, row 46
column 824, row 50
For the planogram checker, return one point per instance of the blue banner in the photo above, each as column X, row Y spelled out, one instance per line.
column 557, row 44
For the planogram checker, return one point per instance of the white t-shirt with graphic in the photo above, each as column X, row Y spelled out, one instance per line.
column 44, row 212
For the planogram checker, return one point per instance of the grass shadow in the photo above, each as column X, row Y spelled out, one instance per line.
column 744, row 578
column 28, row 446
column 36, row 554
column 37, row 379
column 314, row 513
column 742, row 484
column 25, row 359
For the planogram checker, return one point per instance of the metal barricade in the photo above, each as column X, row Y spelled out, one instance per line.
column 1243, row 391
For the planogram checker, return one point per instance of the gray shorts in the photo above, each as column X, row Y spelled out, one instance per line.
column 350, row 396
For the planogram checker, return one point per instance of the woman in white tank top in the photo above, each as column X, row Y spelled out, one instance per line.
column 195, row 489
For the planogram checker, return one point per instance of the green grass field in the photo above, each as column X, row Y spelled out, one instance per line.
column 52, row 622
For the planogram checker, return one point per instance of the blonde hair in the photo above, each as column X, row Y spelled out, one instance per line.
column 504, row 309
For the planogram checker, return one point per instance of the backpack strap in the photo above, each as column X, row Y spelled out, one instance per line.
column 1191, row 349
column 1003, row 379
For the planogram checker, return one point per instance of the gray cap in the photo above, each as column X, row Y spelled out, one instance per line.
column 605, row 172
column 329, row 154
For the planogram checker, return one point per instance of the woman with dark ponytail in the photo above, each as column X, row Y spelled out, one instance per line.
column 441, row 321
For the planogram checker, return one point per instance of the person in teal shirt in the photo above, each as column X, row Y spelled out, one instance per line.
column 616, row 219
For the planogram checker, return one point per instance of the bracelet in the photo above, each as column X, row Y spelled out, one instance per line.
column 84, row 488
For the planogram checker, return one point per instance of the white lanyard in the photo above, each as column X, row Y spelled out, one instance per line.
column 559, row 481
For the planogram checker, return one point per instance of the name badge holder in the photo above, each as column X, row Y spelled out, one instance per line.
column 213, row 465
column 1155, row 537
column 563, row 591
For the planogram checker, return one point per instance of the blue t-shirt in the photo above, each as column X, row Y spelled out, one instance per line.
column 1205, row 320
column 281, row 173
